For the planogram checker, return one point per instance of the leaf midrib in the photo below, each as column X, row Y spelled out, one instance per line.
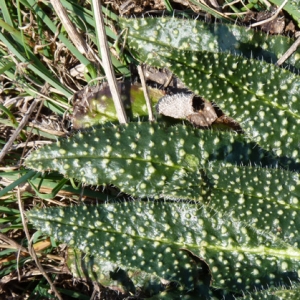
column 110, row 158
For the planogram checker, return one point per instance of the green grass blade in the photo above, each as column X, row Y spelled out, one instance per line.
column 45, row 19
column 38, row 68
column 81, row 14
column 6, row 67
column 54, row 192
column 87, row 16
column 168, row 6
column 29, row 174
column 6, row 14
column 211, row 11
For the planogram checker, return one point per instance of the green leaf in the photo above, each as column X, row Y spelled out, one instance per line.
column 266, row 198
column 262, row 98
column 150, row 236
column 146, row 35
column 146, row 160
column 246, row 234
column 279, row 293
column 108, row 273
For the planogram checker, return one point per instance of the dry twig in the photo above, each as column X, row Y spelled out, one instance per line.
column 146, row 95
column 106, row 61
column 278, row 10
column 31, row 249
column 74, row 35
column 289, row 52
column 18, row 130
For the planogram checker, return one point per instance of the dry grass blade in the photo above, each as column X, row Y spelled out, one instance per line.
column 289, row 52
column 76, row 38
column 18, row 130
column 148, row 101
column 12, row 243
column 106, row 60
column 278, row 10
column 31, row 249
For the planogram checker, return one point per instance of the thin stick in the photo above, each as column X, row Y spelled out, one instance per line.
column 146, row 95
column 106, row 61
column 289, row 52
column 231, row 3
column 12, row 243
column 73, row 34
column 31, row 144
column 18, row 130
column 278, row 10
column 168, row 81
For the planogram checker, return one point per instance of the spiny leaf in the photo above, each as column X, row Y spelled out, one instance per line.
column 99, row 269
column 260, row 96
column 146, row 35
column 278, row 293
column 146, row 160
column 186, row 164
column 149, row 236
column 232, row 234
column 268, row 199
